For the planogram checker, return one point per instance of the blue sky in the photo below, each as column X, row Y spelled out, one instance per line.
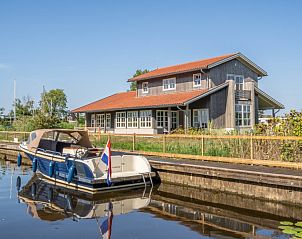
column 90, row 48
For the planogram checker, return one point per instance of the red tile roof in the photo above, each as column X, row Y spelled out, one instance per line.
column 129, row 100
column 190, row 66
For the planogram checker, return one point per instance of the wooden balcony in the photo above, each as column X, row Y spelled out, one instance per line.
column 243, row 94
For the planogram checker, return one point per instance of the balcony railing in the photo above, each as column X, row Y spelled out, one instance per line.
column 243, row 94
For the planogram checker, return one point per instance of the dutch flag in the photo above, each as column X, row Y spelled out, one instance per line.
column 106, row 226
column 106, row 158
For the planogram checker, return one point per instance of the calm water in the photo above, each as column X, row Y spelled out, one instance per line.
column 40, row 210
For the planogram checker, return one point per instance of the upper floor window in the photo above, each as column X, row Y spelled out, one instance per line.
column 197, row 80
column 239, row 81
column 169, row 84
column 145, row 87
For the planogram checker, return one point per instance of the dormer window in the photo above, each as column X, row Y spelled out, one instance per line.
column 197, row 80
column 145, row 87
column 169, row 84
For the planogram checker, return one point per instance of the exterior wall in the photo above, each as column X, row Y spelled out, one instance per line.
column 184, row 82
column 215, row 76
column 218, row 74
column 216, row 103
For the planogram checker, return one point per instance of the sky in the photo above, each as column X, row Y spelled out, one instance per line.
column 90, row 48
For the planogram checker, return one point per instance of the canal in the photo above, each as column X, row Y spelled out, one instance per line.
column 33, row 208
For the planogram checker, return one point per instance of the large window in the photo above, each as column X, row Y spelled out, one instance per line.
column 145, row 87
column 162, row 119
column 200, row 118
column 145, row 118
column 197, row 80
column 169, row 84
column 132, row 119
column 108, row 120
column 242, row 115
column 239, row 81
column 120, row 119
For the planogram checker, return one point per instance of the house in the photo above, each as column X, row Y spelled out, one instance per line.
column 219, row 92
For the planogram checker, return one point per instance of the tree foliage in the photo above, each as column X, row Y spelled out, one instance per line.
column 133, row 85
column 24, row 107
column 54, row 103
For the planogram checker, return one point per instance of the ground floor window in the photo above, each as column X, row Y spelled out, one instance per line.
column 145, row 119
column 108, row 121
column 92, row 120
column 132, row 119
column 162, row 119
column 120, row 119
column 200, row 118
column 243, row 115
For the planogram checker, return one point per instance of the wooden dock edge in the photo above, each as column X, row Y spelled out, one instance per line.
column 269, row 163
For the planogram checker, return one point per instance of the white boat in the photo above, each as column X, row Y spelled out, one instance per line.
column 67, row 158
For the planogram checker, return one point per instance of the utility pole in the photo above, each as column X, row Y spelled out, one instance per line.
column 14, row 100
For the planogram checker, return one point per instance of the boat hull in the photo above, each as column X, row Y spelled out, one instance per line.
column 83, row 179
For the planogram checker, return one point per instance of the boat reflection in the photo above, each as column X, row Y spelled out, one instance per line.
column 50, row 202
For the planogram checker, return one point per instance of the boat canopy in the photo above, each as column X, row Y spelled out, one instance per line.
column 38, row 138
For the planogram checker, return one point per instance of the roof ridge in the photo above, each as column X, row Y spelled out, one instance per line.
column 181, row 64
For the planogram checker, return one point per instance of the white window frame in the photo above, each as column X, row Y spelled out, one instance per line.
column 198, row 121
column 162, row 120
column 245, row 115
column 233, row 77
column 132, row 119
column 92, row 120
column 145, row 86
column 194, row 82
column 121, row 119
column 168, row 82
column 145, row 119
column 108, row 121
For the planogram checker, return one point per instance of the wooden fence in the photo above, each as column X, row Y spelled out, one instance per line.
column 226, row 147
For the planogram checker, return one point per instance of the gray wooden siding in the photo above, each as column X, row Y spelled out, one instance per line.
column 184, row 82
column 216, row 103
column 218, row 74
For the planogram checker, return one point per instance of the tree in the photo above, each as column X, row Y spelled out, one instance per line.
column 2, row 109
column 54, row 103
column 133, row 85
column 24, row 107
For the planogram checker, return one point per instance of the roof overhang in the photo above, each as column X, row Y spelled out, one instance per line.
column 267, row 102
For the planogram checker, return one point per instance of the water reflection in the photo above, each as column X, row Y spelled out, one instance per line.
column 50, row 202
column 168, row 211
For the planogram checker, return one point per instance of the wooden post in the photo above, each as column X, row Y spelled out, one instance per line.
column 164, row 143
column 6, row 135
column 133, row 142
column 202, row 146
column 252, row 150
